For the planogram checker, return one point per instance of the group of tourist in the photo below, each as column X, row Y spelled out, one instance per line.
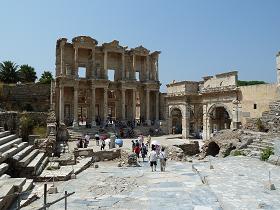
column 157, row 152
column 83, row 142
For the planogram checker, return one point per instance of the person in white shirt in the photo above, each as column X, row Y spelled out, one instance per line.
column 153, row 158
column 87, row 138
column 162, row 158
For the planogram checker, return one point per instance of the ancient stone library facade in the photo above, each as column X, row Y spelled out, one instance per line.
column 109, row 81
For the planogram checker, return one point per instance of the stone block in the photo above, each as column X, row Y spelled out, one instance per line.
column 270, row 186
column 274, row 159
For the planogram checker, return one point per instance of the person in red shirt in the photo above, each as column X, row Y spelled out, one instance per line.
column 137, row 150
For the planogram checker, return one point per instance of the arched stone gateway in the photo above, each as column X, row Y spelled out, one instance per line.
column 176, row 121
column 179, row 119
column 218, row 118
column 213, row 149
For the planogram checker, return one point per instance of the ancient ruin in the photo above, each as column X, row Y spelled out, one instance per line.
column 108, row 90
column 96, row 83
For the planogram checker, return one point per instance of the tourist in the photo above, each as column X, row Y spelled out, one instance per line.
column 87, row 138
column 133, row 145
column 102, row 144
column 143, row 151
column 97, row 138
column 80, row 143
column 149, row 140
column 162, row 159
column 137, row 149
column 157, row 149
column 153, row 158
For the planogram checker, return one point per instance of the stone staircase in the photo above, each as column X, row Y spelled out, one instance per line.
column 255, row 148
column 19, row 164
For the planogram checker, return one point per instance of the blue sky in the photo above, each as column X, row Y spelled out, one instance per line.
column 196, row 37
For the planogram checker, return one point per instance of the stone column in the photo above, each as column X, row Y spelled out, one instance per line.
column 76, row 50
column 123, row 66
column 132, row 74
column 61, row 103
column 93, row 122
column 157, row 76
column 123, row 104
column 148, row 67
column 75, row 101
column 148, row 121
column 186, row 123
column 105, row 104
column 133, row 104
column 62, row 60
column 105, row 64
column 205, row 132
column 157, row 106
column 93, row 70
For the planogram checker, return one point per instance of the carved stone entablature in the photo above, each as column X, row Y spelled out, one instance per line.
column 113, row 45
column 140, row 50
column 84, row 41
column 155, row 54
column 60, row 42
column 219, row 89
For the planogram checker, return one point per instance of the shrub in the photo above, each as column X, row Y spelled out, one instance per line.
column 26, row 127
column 40, row 130
column 266, row 153
column 238, row 153
column 260, row 125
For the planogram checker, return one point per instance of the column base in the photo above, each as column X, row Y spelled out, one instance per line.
column 148, row 122
column 93, row 123
column 75, row 124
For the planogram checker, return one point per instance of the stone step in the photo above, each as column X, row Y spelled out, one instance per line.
column 258, row 148
column 29, row 184
column 6, row 139
column 3, row 168
column 265, row 144
column 2, row 129
column 42, row 166
column 9, row 153
column 22, row 153
column 28, row 158
column 35, row 163
column 10, row 144
column 5, row 176
column 9, row 187
column 4, row 133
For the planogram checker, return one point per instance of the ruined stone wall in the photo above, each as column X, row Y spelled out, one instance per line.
column 185, row 87
column 10, row 121
column 29, row 97
column 221, row 80
column 255, row 100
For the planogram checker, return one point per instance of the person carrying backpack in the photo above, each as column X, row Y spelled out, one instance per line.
column 163, row 159
column 143, row 151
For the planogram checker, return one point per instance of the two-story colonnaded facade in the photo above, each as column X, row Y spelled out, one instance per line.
column 97, row 82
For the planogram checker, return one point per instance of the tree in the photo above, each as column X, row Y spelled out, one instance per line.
column 27, row 74
column 9, row 72
column 46, row 77
column 247, row 83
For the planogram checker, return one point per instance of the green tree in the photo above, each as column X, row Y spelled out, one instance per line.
column 46, row 77
column 9, row 72
column 27, row 74
column 247, row 83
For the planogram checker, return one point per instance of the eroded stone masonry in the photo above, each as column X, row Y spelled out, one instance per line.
column 131, row 93
column 96, row 83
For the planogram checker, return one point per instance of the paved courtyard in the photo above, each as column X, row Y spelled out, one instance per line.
column 234, row 183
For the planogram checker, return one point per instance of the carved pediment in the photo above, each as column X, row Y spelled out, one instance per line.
column 141, row 50
column 113, row 45
column 84, row 40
